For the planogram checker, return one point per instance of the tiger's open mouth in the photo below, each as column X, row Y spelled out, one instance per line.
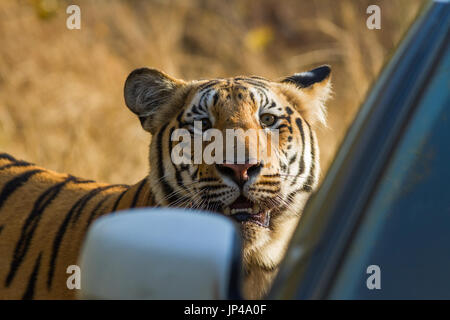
column 243, row 210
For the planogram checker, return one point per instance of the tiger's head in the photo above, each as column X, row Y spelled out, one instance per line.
column 263, row 191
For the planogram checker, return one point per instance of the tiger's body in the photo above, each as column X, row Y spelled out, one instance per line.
column 44, row 215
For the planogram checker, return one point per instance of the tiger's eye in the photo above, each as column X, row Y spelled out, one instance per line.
column 267, row 119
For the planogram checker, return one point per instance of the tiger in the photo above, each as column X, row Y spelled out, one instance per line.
column 45, row 215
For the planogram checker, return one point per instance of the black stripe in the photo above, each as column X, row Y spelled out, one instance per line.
column 299, row 123
column 202, row 103
column 273, row 105
column 309, row 182
column 78, row 181
column 196, row 110
column 138, row 192
column 184, row 167
column 258, row 85
column 292, row 160
column 253, row 82
column 153, row 200
column 116, row 204
column 178, row 176
column 262, row 94
column 1, row 228
column 289, row 110
column 271, row 175
column 194, row 174
column 16, row 164
column 259, row 78
column 252, row 97
column 208, row 180
column 96, row 209
column 268, row 183
column 30, row 226
column 265, row 190
column 29, row 292
column 307, row 187
column 89, row 196
column 301, row 168
column 285, row 126
column 215, row 98
column 7, row 156
column 181, row 123
column 14, row 184
column 207, row 85
column 76, row 209
column 166, row 188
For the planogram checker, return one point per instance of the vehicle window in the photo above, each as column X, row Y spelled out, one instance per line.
column 406, row 228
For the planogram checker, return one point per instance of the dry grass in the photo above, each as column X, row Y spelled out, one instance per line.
column 61, row 103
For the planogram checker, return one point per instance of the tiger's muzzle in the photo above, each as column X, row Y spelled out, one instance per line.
column 244, row 210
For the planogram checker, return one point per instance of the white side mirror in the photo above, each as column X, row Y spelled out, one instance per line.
column 161, row 253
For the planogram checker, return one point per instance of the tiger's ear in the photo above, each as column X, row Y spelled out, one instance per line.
column 315, row 87
column 147, row 92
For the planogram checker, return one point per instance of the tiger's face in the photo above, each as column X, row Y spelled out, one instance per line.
column 265, row 187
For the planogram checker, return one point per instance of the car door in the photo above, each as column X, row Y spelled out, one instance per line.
column 384, row 206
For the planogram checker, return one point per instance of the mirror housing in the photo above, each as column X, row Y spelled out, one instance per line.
column 161, row 253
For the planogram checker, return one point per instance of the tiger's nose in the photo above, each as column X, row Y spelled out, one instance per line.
column 240, row 173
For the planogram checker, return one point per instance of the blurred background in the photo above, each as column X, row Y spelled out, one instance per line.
column 61, row 98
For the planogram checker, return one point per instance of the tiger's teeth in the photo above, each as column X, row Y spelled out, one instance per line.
column 241, row 210
column 226, row 211
column 256, row 208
